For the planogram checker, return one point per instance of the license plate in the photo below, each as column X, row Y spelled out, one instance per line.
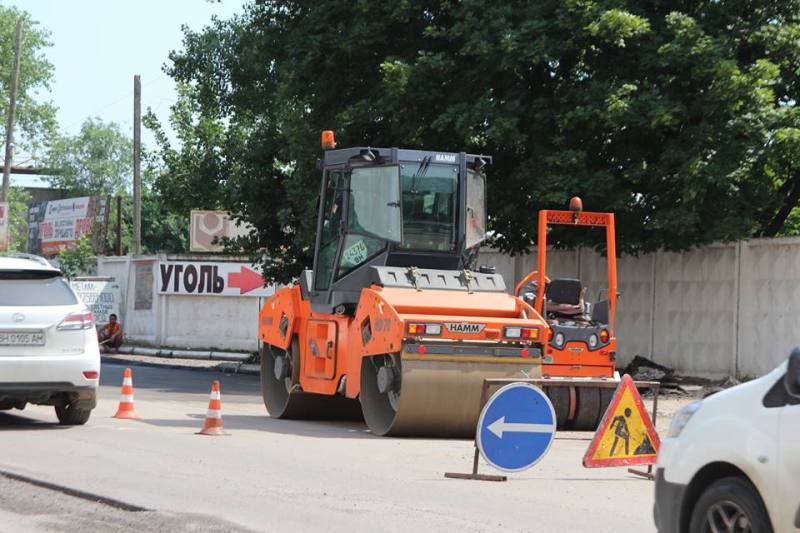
column 18, row 338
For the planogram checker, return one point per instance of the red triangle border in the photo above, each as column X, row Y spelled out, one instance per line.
column 588, row 462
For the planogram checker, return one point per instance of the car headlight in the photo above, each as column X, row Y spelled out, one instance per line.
column 682, row 418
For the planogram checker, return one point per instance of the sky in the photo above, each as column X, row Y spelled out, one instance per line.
column 99, row 45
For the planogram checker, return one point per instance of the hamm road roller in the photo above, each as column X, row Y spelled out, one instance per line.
column 394, row 317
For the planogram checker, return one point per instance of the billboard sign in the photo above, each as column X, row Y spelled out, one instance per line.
column 58, row 224
column 211, row 279
column 208, row 226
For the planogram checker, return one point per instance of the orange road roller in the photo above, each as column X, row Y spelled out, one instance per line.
column 396, row 320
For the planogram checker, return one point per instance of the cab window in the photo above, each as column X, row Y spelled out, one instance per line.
column 476, row 208
column 373, row 215
column 430, row 193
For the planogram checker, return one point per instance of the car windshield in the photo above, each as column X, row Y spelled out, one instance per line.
column 35, row 292
column 430, row 192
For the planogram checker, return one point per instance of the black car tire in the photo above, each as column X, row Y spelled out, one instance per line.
column 72, row 416
column 727, row 495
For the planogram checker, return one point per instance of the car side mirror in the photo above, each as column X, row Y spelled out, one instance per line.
column 792, row 378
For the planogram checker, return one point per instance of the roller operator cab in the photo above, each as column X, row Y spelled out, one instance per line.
column 393, row 321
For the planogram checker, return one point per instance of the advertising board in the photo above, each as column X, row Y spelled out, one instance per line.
column 58, row 224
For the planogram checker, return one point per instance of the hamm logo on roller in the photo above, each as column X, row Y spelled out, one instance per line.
column 464, row 327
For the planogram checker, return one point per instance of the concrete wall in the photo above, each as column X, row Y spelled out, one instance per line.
column 713, row 311
column 202, row 322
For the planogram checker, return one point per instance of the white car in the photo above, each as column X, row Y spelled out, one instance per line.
column 48, row 344
column 731, row 462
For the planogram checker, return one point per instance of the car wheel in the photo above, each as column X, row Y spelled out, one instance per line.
column 72, row 416
column 730, row 505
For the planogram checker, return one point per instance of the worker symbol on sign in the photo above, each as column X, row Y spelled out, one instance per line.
column 621, row 431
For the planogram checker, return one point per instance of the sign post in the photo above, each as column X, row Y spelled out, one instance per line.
column 515, row 430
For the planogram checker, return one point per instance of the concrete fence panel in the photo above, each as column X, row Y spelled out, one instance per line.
column 695, row 310
column 769, row 303
column 173, row 320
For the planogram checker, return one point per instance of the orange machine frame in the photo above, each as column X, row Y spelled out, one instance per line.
column 564, row 361
column 389, row 311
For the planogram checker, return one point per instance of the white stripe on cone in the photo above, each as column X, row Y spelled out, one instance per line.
column 127, row 381
column 214, row 413
column 126, row 398
column 215, row 395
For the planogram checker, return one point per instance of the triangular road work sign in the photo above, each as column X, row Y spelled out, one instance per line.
column 626, row 435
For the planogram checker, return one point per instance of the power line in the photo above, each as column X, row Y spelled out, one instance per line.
column 126, row 97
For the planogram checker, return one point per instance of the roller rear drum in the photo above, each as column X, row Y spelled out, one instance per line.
column 280, row 389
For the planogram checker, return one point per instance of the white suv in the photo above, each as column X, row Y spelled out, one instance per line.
column 732, row 461
column 48, row 344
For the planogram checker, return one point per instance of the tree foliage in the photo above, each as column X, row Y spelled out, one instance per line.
column 77, row 260
column 18, row 199
column 35, row 116
column 679, row 117
column 98, row 160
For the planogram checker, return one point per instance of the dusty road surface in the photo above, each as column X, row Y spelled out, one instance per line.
column 275, row 475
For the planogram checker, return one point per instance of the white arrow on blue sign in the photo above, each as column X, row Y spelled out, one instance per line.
column 516, row 427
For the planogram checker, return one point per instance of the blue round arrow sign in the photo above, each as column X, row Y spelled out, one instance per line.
column 516, row 427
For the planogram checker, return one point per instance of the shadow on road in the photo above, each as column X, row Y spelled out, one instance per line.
column 181, row 381
column 304, row 428
column 14, row 422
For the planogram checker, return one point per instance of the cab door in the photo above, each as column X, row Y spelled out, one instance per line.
column 329, row 229
column 360, row 211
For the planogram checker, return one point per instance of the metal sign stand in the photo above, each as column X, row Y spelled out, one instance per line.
column 475, row 475
column 655, row 386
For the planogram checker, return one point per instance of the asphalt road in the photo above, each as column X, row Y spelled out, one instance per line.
column 275, row 475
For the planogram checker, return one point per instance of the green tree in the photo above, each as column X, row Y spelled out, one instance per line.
column 77, row 260
column 35, row 116
column 18, row 199
column 98, row 160
column 680, row 117
column 164, row 229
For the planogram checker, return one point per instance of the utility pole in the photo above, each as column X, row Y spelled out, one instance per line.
column 119, row 226
column 12, row 111
column 137, row 178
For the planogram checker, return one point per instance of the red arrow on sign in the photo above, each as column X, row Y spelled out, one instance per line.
column 245, row 280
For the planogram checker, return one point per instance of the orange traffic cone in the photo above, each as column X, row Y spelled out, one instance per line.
column 213, row 424
column 126, row 409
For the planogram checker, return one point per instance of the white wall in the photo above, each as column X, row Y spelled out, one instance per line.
column 717, row 310
column 201, row 322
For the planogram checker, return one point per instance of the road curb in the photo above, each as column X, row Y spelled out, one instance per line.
column 225, row 368
column 203, row 355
